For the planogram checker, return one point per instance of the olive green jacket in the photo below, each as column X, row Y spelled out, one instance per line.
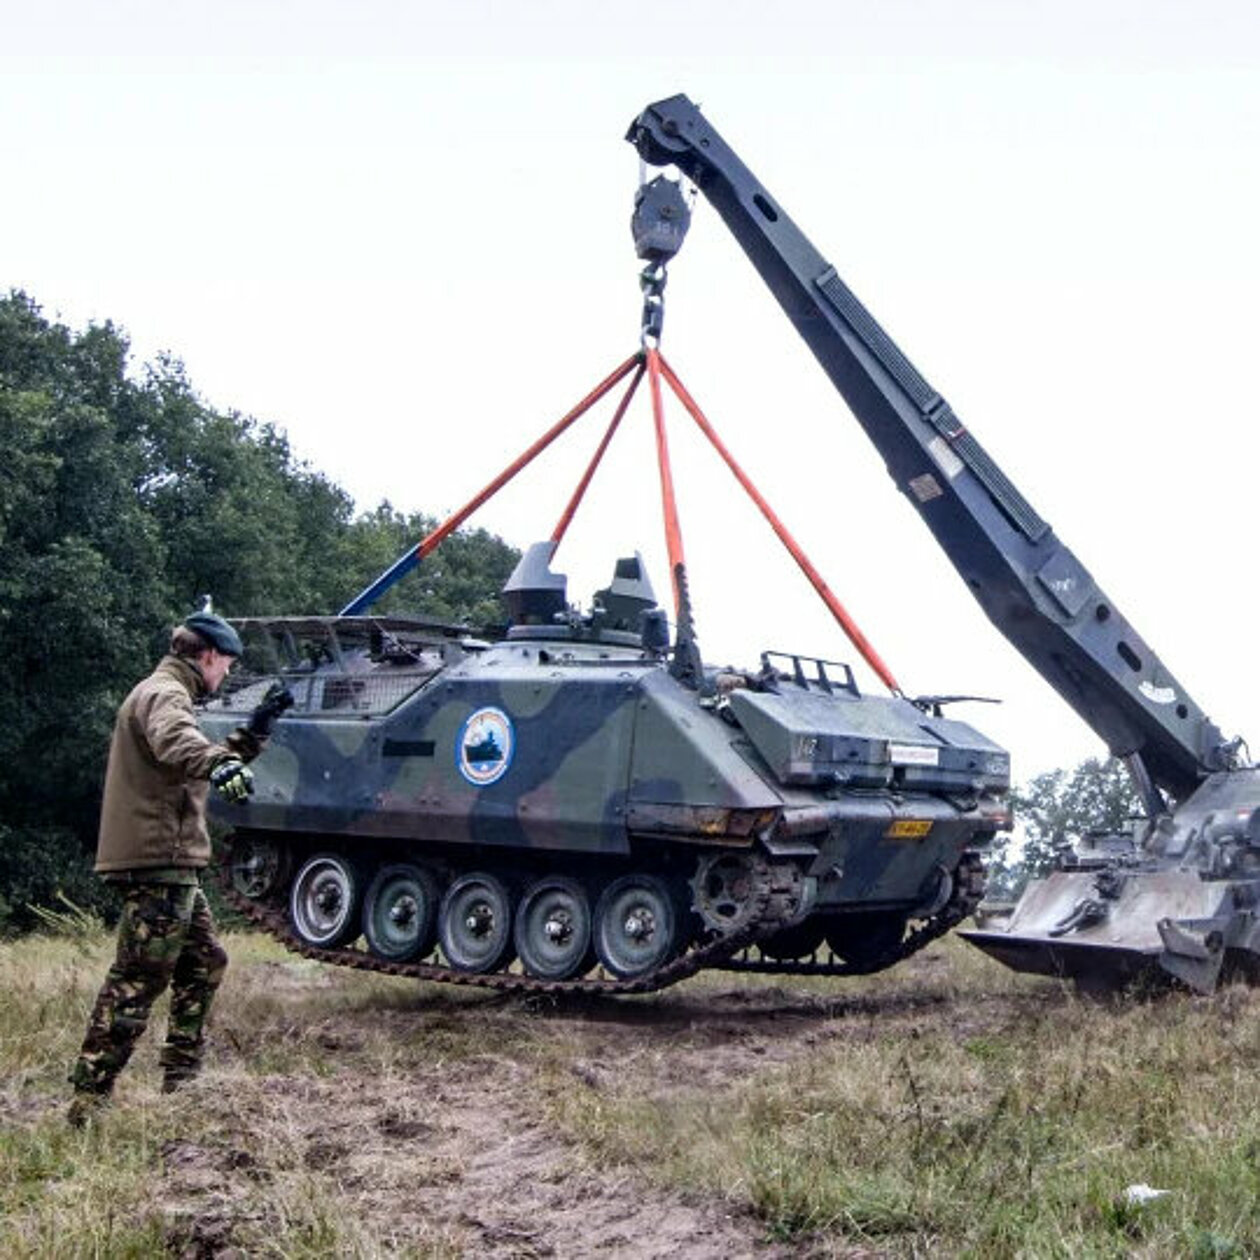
column 153, row 813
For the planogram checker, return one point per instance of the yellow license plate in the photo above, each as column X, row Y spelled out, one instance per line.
column 909, row 829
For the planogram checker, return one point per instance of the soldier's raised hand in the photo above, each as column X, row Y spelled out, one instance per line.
column 276, row 699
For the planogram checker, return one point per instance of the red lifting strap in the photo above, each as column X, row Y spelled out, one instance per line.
column 414, row 555
column 669, row 504
column 563, row 523
column 454, row 522
column 838, row 611
column 650, row 363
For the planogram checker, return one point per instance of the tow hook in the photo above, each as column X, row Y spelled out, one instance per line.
column 1086, row 912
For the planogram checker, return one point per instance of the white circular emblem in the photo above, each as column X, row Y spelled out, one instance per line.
column 484, row 747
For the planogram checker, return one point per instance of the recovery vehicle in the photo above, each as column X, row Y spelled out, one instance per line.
column 1176, row 896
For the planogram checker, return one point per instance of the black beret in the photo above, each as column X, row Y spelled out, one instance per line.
column 216, row 632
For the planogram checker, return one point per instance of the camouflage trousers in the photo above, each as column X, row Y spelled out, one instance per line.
column 165, row 937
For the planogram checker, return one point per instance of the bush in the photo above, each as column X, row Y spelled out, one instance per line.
column 40, row 868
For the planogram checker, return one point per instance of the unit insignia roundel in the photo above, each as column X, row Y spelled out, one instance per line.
column 484, row 746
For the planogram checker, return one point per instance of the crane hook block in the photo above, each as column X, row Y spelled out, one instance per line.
column 660, row 220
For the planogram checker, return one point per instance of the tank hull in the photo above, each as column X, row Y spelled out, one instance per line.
column 550, row 767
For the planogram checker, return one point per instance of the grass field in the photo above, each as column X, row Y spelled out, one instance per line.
column 944, row 1108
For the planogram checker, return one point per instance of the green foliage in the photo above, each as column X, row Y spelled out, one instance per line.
column 40, row 867
column 1055, row 810
column 459, row 582
column 122, row 501
column 70, row 921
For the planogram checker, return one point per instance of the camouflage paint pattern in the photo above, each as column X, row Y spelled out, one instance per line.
column 165, row 937
column 610, row 750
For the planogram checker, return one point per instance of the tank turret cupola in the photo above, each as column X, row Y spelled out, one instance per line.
column 534, row 595
column 622, row 604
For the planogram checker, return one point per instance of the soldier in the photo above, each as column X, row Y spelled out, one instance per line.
column 152, row 843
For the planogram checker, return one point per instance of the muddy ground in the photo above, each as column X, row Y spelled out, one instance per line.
column 427, row 1114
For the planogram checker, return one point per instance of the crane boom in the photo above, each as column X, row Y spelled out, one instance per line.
column 1030, row 585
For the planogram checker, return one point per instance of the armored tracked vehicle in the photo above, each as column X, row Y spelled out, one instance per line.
column 579, row 793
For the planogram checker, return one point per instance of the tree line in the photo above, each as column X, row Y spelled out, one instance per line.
column 124, row 498
column 1055, row 810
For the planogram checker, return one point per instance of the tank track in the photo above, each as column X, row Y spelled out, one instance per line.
column 773, row 908
column 967, row 893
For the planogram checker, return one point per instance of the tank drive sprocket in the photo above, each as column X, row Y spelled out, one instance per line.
column 727, row 891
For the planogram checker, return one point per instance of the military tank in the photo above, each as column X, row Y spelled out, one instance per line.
column 585, row 796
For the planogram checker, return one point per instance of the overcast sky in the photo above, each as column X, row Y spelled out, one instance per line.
column 400, row 232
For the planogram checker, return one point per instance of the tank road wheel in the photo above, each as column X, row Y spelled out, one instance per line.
column 400, row 913
column 798, row 941
column 258, row 866
column 324, row 903
column 865, row 939
column 638, row 925
column 553, row 929
column 475, row 923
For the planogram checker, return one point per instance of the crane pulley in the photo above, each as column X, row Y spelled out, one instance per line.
column 659, row 225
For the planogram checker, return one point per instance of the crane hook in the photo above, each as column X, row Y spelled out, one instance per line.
column 659, row 225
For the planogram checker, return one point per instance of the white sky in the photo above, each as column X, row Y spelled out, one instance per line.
column 400, row 232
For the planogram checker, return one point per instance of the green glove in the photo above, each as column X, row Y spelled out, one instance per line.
column 233, row 780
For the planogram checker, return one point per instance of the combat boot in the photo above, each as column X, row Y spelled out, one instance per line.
column 175, row 1078
column 86, row 1107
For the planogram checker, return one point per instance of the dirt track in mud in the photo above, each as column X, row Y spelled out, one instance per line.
column 451, row 1148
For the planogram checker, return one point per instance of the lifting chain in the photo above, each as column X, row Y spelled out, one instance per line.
column 652, row 283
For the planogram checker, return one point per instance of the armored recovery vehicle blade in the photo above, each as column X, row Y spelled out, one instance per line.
column 1177, row 897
